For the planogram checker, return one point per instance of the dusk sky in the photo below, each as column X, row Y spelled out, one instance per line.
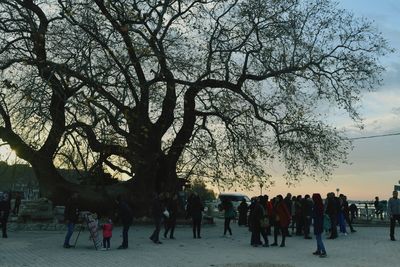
column 375, row 162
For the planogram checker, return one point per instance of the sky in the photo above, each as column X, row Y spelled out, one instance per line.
column 375, row 162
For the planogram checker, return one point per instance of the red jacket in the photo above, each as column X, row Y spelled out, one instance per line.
column 107, row 230
column 283, row 213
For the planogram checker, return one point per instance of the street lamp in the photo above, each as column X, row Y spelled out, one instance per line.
column 337, row 192
column 261, row 186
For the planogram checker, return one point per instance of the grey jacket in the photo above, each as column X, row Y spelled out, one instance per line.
column 393, row 207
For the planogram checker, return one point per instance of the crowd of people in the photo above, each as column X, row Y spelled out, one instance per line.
column 277, row 217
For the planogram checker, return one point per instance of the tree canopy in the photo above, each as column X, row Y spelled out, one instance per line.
column 175, row 88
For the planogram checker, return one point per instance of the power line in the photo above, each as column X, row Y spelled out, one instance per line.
column 374, row 136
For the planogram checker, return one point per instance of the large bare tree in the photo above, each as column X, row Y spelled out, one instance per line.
column 159, row 89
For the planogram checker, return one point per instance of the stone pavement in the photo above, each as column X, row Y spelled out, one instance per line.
column 370, row 246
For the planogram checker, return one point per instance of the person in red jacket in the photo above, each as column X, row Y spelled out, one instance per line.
column 107, row 234
column 282, row 220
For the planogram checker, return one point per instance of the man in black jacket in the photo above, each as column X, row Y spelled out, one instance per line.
column 5, row 206
column 126, row 216
column 71, row 214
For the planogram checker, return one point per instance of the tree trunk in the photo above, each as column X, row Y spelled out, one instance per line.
column 138, row 191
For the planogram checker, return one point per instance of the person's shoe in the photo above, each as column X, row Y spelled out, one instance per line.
column 392, row 239
column 323, row 254
column 67, row 246
column 157, row 242
column 171, row 237
column 274, row 244
column 266, row 245
column 282, row 245
column 198, row 236
column 308, row 237
column 289, row 235
column 353, row 231
column 5, row 236
column 317, row 253
column 122, row 247
column 103, row 249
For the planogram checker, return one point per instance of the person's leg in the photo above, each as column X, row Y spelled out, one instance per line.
column 276, row 230
column 125, row 229
column 70, row 231
column 392, row 224
column 172, row 227
column 166, row 227
column 194, row 226
column 265, row 237
column 320, row 244
column 229, row 226
column 104, row 242
column 4, row 225
column 198, row 228
column 284, row 231
column 225, row 225
column 108, row 242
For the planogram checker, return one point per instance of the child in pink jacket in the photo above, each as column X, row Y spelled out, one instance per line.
column 107, row 233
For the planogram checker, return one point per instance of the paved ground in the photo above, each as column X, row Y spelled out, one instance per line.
column 370, row 246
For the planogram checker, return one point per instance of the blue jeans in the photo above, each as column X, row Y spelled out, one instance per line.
column 342, row 223
column 70, row 231
column 320, row 244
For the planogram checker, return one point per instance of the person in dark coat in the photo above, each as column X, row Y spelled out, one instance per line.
column 282, row 220
column 126, row 216
column 71, row 214
column 264, row 217
column 332, row 211
column 170, row 221
column 306, row 207
column 299, row 215
column 229, row 214
column 17, row 203
column 158, row 208
column 318, row 216
column 195, row 211
column 346, row 212
column 254, row 222
column 5, row 207
column 243, row 210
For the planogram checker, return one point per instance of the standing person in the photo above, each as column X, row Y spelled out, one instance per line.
column 195, row 210
column 378, row 208
column 353, row 212
column 170, row 222
column 126, row 215
column 5, row 207
column 318, row 216
column 282, row 220
column 307, row 207
column 229, row 214
column 243, row 209
column 332, row 211
column 346, row 211
column 157, row 211
column 254, row 222
column 341, row 216
column 264, row 222
column 393, row 213
column 17, row 203
column 299, row 215
column 107, row 233
column 290, row 205
column 71, row 214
